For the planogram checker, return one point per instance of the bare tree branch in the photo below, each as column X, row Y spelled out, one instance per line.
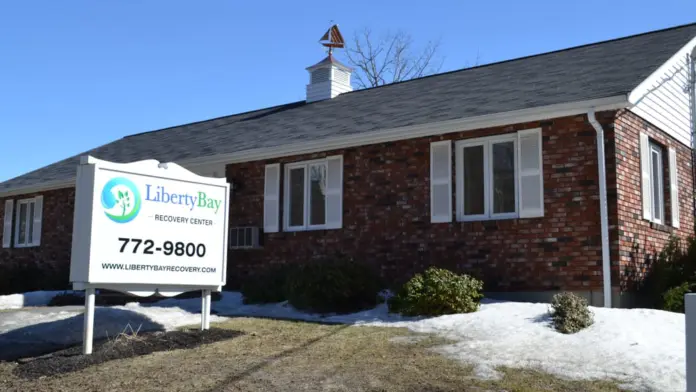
column 390, row 59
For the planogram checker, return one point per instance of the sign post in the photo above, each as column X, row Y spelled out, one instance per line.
column 88, row 332
column 205, row 310
column 147, row 228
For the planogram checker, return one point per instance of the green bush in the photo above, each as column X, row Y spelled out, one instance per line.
column 266, row 287
column 673, row 266
column 570, row 313
column 673, row 299
column 25, row 277
column 436, row 292
column 332, row 286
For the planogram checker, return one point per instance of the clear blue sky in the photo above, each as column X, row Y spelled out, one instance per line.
column 78, row 74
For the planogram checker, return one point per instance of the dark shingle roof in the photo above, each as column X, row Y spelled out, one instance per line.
column 592, row 71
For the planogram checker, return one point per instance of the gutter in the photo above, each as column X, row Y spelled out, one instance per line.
column 692, row 88
column 603, row 213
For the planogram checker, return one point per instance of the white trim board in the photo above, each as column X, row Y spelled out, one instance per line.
column 382, row 136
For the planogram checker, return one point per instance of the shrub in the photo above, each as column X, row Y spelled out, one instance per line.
column 570, row 313
column 673, row 266
column 673, row 299
column 266, row 287
column 332, row 286
column 68, row 298
column 436, row 292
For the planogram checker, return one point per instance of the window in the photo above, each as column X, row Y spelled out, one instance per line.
column 657, row 183
column 245, row 238
column 24, row 223
column 658, row 163
column 313, row 198
column 488, row 176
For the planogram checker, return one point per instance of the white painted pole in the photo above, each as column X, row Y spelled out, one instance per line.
column 203, row 309
column 207, row 309
column 88, row 329
column 690, row 330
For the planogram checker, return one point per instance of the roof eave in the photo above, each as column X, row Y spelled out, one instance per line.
column 45, row 186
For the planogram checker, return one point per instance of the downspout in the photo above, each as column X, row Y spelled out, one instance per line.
column 603, row 213
column 692, row 97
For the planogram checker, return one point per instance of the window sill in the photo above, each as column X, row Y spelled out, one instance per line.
column 313, row 228
column 25, row 245
column 661, row 227
column 488, row 219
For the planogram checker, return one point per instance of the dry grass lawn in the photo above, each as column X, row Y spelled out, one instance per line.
column 295, row 356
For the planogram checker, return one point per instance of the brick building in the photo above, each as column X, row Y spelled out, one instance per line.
column 494, row 170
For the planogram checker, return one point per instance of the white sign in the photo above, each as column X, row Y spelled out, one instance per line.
column 149, row 226
column 146, row 227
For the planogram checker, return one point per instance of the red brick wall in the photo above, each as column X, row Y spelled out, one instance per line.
column 386, row 217
column 637, row 239
column 46, row 266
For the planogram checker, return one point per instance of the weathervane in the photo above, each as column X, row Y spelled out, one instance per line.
column 332, row 39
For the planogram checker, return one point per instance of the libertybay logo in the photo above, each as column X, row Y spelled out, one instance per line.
column 197, row 200
column 121, row 200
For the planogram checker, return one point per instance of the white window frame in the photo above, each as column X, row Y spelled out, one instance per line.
column 655, row 148
column 307, row 195
column 487, row 143
column 28, row 228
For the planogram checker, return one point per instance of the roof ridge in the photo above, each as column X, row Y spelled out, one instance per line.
column 424, row 77
column 524, row 57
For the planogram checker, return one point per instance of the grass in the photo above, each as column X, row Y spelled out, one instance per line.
column 287, row 356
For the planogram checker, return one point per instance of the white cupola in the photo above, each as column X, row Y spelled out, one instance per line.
column 327, row 79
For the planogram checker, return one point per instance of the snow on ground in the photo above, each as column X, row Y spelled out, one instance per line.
column 33, row 298
column 642, row 348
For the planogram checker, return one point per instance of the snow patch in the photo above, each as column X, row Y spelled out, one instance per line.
column 32, row 298
column 642, row 348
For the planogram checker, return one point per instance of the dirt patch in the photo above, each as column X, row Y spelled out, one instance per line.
column 290, row 356
column 122, row 346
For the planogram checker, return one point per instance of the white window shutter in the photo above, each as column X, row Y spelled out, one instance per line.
column 38, row 215
column 674, row 186
column 7, row 227
column 334, row 192
column 645, row 176
column 441, row 181
column 271, row 199
column 531, row 174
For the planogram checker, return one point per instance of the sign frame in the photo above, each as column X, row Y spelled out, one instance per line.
column 83, row 239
